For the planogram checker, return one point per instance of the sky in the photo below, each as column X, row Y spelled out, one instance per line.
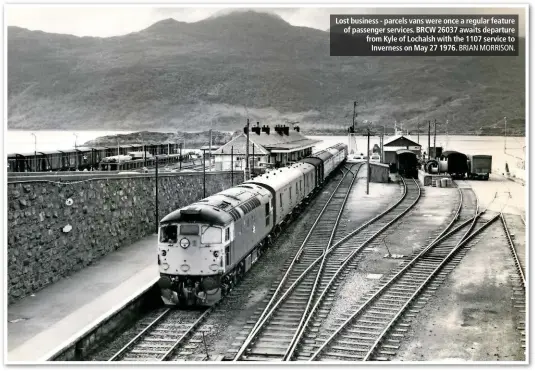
column 106, row 21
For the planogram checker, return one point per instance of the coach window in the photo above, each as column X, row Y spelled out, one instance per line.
column 290, row 192
column 280, row 198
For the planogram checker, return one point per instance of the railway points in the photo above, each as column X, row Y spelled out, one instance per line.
column 280, row 325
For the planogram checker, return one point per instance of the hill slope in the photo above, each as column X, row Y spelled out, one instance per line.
column 219, row 70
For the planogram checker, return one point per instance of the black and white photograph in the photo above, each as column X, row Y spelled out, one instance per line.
column 279, row 184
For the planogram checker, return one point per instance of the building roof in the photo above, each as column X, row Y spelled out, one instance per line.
column 265, row 143
column 391, row 141
column 274, row 140
column 238, row 146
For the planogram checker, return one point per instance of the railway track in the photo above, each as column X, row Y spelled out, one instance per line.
column 373, row 329
column 276, row 332
column 318, row 238
column 519, row 284
column 165, row 332
column 168, row 332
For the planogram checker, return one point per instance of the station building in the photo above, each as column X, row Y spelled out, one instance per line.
column 268, row 148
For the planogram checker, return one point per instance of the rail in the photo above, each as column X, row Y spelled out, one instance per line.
column 442, row 237
column 433, row 274
column 513, row 250
column 345, row 263
column 270, row 307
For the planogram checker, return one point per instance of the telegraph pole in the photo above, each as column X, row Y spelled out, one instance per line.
column 368, row 165
column 435, row 140
column 418, row 133
column 505, row 134
column 429, row 140
column 210, row 150
column 354, row 112
column 180, row 156
column 35, row 152
column 247, row 154
column 232, row 166
column 204, row 173
column 157, row 217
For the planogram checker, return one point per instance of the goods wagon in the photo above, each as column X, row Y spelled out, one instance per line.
column 479, row 166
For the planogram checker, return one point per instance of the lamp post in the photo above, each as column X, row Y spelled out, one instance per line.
column 35, row 152
column 75, row 139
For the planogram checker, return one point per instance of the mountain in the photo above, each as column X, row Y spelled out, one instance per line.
column 218, row 71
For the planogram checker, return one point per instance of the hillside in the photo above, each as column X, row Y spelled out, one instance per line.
column 218, row 71
column 193, row 140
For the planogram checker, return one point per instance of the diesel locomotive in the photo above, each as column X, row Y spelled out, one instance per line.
column 205, row 248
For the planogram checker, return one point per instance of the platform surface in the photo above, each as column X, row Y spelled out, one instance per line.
column 40, row 324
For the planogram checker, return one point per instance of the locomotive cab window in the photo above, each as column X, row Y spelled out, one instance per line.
column 168, row 233
column 210, row 234
column 189, row 230
column 227, row 234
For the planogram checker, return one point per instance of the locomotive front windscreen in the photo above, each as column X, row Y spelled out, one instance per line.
column 168, row 233
column 211, row 234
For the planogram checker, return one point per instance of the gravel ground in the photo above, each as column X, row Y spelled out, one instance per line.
column 413, row 232
column 472, row 317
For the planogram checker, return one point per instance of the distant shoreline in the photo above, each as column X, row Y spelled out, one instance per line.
column 304, row 132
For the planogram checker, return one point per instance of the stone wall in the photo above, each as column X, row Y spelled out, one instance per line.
column 60, row 224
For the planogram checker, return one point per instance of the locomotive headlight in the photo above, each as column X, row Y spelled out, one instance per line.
column 164, row 253
column 216, row 254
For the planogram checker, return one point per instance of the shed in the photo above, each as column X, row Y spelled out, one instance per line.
column 396, row 143
column 379, row 172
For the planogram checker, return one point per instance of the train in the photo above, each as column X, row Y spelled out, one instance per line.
column 457, row 164
column 205, row 248
column 461, row 166
column 479, row 166
column 90, row 158
column 407, row 163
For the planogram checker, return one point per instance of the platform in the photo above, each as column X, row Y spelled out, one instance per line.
column 40, row 325
column 428, row 179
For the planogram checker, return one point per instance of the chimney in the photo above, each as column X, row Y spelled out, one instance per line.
column 256, row 129
column 296, row 128
column 266, row 129
column 286, row 130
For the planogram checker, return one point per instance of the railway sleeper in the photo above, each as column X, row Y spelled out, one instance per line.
column 341, row 355
column 348, row 349
column 356, row 343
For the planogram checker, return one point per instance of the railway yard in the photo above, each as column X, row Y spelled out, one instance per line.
column 404, row 273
